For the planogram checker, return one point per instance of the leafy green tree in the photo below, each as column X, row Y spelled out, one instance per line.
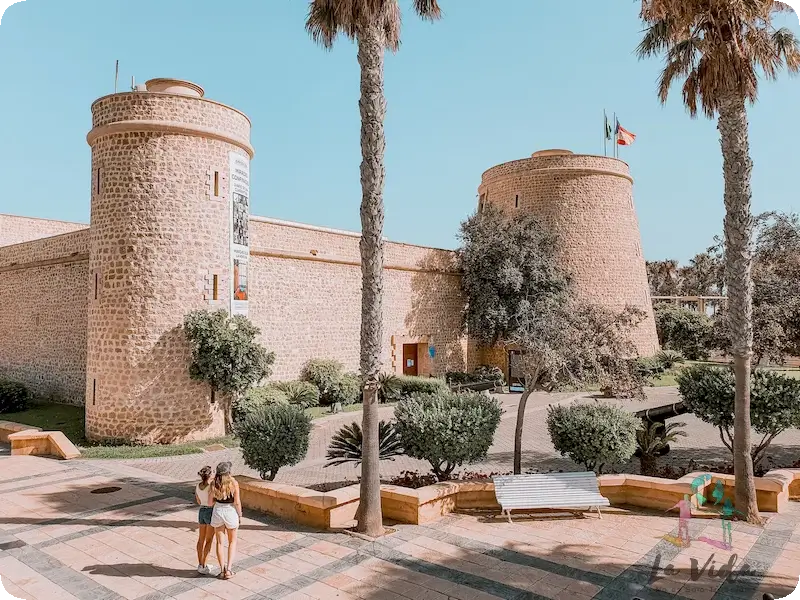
column 225, row 354
column 709, row 393
column 776, row 290
column 518, row 296
column 718, row 49
column 375, row 27
column 684, row 330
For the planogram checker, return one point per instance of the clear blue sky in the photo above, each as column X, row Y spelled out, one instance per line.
column 480, row 87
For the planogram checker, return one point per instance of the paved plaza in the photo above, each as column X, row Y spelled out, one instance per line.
column 61, row 541
column 105, row 530
column 702, row 443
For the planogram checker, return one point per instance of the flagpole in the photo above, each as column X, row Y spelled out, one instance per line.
column 616, row 126
column 605, row 133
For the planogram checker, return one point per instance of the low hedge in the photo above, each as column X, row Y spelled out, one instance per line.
column 14, row 396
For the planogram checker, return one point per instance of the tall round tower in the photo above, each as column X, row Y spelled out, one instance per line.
column 169, row 214
column 588, row 202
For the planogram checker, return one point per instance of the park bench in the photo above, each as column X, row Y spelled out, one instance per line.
column 548, row 490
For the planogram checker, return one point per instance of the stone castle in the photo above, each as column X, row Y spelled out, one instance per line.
column 92, row 315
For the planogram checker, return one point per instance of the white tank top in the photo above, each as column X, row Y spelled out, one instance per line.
column 203, row 495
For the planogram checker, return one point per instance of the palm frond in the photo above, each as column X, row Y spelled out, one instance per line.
column 321, row 22
column 788, row 47
column 717, row 46
column 346, row 446
column 655, row 40
column 428, row 9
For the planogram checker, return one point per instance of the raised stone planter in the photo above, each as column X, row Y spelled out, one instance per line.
column 329, row 510
column 337, row 509
column 8, row 427
column 42, row 443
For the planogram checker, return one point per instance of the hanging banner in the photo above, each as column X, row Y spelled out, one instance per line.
column 240, row 234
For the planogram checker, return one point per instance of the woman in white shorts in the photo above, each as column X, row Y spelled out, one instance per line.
column 227, row 510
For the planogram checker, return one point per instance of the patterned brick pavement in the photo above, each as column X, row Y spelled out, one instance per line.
column 60, row 541
column 702, row 443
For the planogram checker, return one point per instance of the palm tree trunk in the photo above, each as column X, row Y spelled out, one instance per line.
column 373, row 143
column 737, row 166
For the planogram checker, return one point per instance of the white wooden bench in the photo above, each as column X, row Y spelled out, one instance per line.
column 548, row 490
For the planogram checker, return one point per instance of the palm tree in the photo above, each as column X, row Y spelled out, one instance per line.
column 375, row 26
column 717, row 48
column 653, row 440
column 664, row 277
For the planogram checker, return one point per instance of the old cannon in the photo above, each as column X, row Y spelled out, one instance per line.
column 659, row 415
column 481, row 386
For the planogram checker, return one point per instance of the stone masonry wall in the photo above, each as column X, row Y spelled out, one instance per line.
column 588, row 202
column 16, row 230
column 306, row 298
column 159, row 234
column 43, row 310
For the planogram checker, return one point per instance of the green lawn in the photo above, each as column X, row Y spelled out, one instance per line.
column 70, row 420
column 53, row 417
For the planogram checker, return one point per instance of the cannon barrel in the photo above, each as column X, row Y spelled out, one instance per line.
column 482, row 386
column 659, row 414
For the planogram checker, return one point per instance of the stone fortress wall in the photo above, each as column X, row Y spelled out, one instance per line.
column 93, row 316
column 43, row 311
column 17, row 230
column 588, row 202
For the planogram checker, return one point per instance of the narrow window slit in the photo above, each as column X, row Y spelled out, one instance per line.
column 215, row 292
column 94, row 391
column 216, row 187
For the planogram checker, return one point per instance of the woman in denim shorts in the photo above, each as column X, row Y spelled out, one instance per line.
column 205, row 537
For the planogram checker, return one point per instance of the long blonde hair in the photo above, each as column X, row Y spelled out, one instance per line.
column 224, row 485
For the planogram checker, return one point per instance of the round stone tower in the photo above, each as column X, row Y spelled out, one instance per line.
column 588, row 202
column 162, row 244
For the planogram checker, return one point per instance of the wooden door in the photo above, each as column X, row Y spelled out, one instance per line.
column 515, row 376
column 410, row 359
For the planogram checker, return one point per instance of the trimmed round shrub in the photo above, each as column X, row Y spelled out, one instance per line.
column 323, row 373
column 408, row 385
column 593, row 435
column 301, row 393
column 346, row 390
column 255, row 398
column 14, row 397
column 273, row 436
column 447, row 429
